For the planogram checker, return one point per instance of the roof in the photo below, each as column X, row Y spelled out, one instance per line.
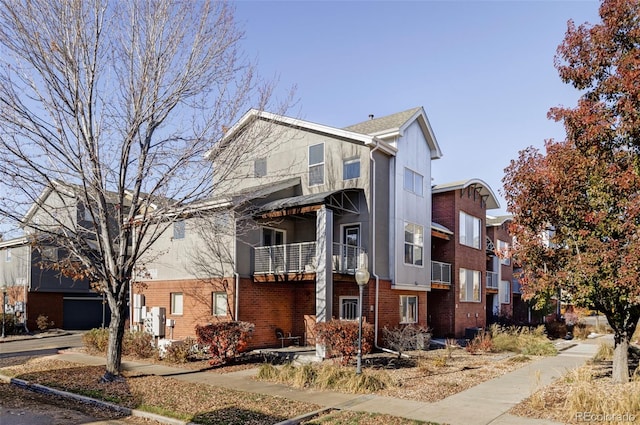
column 392, row 126
column 483, row 188
column 498, row 220
column 254, row 114
column 440, row 228
column 329, row 198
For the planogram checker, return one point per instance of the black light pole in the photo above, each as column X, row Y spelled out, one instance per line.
column 362, row 278
column 4, row 297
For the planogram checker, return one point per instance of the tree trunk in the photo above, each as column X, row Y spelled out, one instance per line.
column 620, row 373
column 116, row 338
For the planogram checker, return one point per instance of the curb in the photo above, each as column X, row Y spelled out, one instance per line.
column 41, row 389
column 306, row 416
column 31, row 337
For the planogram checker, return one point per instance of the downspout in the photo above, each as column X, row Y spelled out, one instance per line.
column 236, row 295
column 27, row 287
column 373, row 243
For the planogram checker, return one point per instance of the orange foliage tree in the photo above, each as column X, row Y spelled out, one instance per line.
column 577, row 205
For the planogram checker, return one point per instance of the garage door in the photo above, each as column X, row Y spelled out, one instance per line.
column 82, row 313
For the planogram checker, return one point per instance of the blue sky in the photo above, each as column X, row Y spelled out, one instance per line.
column 483, row 70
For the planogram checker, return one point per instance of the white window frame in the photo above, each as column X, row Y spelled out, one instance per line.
column 179, row 229
column 345, row 165
column 177, row 303
column 406, row 307
column 413, row 182
column 413, row 244
column 470, row 286
column 349, row 301
column 504, row 292
column 216, row 298
column 504, row 253
column 470, row 230
column 273, row 231
column 316, row 165
column 260, row 167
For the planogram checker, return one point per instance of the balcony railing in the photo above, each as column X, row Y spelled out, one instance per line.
column 492, row 280
column 290, row 258
column 441, row 272
column 302, row 258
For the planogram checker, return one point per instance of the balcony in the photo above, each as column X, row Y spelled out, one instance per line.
column 299, row 258
column 440, row 275
column 492, row 280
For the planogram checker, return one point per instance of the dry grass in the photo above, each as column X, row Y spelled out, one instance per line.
column 586, row 394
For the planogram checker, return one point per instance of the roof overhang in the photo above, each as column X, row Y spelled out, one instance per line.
column 479, row 188
column 340, row 200
column 440, row 231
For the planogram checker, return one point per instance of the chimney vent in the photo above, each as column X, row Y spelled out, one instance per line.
column 370, row 116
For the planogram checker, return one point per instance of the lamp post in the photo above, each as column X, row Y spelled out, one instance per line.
column 362, row 278
column 3, row 286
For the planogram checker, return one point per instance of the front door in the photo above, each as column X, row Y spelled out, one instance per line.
column 351, row 238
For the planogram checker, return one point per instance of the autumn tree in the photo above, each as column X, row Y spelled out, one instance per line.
column 113, row 104
column 577, row 205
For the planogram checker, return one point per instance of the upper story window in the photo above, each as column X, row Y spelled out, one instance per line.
column 413, row 243
column 178, row 229
column 316, row 164
column 350, row 168
column 503, row 253
column 49, row 253
column 260, row 167
column 504, row 292
column 470, row 230
column 7, row 257
column 87, row 214
column 413, row 181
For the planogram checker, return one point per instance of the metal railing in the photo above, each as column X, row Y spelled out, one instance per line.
column 441, row 272
column 492, row 280
column 347, row 258
column 289, row 258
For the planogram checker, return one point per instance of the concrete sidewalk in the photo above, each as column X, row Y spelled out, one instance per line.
column 487, row 403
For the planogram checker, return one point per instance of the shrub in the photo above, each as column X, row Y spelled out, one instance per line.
column 342, row 338
column 180, row 351
column 406, row 338
column 11, row 324
column 43, row 323
column 139, row 344
column 480, row 343
column 226, row 340
column 96, row 340
column 523, row 341
column 556, row 329
column 604, row 353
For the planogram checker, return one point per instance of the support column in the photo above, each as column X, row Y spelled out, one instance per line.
column 324, row 269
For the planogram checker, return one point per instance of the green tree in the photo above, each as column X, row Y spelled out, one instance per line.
column 577, row 205
column 121, row 100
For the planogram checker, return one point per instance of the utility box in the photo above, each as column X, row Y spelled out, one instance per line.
column 158, row 321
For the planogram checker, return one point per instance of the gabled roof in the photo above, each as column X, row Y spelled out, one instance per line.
column 254, row 114
column 483, row 189
column 391, row 126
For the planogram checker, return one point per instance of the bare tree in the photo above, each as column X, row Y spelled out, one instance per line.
column 120, row 101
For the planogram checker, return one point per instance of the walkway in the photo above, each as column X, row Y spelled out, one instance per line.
column 484, row 404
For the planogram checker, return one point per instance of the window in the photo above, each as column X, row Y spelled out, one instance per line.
column 49, row 253
column 178, row 229
column 408, row 309
column 469, row 285
column 413, row 182
column 316, row 164
column 219, row 303
column 260, row 167
column 413, row 243
column 176, row 303
column 349, row 308
column 470, row 230
column 271, row 237
column 7, row 257
column 504, row 292
column 87, row 214
column 503, row 253
column 350, row 169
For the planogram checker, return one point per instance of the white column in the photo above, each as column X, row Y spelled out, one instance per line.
column 324, row 272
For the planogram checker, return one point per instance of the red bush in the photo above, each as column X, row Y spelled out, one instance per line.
column 342, row 338
column 225, row 340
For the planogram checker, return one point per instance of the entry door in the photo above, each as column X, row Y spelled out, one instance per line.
column 351, row 238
